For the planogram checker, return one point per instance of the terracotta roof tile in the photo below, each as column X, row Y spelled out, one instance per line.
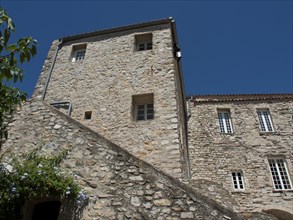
column 239, row 97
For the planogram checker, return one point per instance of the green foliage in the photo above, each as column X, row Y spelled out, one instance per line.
column 34, row 177
column 12, row 55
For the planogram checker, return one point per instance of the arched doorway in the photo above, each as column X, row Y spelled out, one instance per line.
column 48, row 210
column 280, row 214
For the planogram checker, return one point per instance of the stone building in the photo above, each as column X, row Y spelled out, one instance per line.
column 142, row 150
column 124, row 81
column 241, row 151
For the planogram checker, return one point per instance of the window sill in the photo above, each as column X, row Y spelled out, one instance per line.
column 229, row 134
column 239, row 191
column 141, row 121
column 261, row 133
column 143, row 50
column 282, row 191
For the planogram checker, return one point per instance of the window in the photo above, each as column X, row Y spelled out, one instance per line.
column 145, row 112
column 225, row 123
column 79, row 55
column 88, row 115
column 265, row 120
column 237, row 180
column 280, row 174
column 65, row 107
column 143, row 107
column 78, row 52
column 143, row 42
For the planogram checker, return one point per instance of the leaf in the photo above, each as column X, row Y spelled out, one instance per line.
column 15, row 78
column 11, row 47
column 6, row 36
column 22, row 57
column 21, row 42
column 10, row 24
column 28, row 55
column 33, row 50
column 12, row 60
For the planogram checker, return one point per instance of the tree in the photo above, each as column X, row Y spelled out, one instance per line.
column 12, row 55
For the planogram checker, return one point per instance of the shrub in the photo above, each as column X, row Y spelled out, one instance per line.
column 34, row 177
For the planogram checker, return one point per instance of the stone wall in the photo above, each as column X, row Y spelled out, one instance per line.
column 119, row 185
column 104, row 83
column 215, row 155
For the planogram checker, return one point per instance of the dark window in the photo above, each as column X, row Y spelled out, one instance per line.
column 88, row 115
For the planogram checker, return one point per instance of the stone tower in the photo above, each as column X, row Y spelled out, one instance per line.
column 126, row 84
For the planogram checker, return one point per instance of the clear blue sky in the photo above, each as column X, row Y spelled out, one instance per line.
column 228, row 47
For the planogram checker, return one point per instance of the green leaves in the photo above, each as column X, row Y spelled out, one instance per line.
column 12, row 55
column 11, row 48
column 33, row 177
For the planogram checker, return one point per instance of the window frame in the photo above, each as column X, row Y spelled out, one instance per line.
column 143, row 103
column 146, row 46
column 77, row 48
column 280, row 176
column 238, row 181
column 74, row 57
column 265, row 120
column 225, row 123
column 144, row 42
column 145, row 114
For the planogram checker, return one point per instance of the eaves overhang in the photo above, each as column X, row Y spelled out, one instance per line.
column 118, row 29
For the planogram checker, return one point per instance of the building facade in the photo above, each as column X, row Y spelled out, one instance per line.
column 241, row 150
column 141, row 149
column 125, row 83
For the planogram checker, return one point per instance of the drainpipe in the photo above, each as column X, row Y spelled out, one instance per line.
column 177, row 56
column 189, row 108
column 51, row 69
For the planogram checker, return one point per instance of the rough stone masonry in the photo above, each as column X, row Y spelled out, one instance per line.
column 150, row 169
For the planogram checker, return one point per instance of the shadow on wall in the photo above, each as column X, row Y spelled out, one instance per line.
column 280, row 214
column 52, row 209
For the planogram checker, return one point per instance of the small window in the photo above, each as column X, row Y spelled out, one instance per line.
column 88, row 115
column 237, row 180
column 143, row 42
column 265, row 120
column 143, row 107
column 279, row 174
column 78, row 52
column 225, row 123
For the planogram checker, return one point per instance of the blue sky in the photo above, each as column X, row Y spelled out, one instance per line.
column 228, row 47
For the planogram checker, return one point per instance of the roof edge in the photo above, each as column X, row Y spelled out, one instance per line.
column 239, row 97
column 117, row 29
